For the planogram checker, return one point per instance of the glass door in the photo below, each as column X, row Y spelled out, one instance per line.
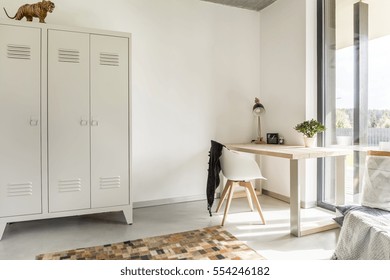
column 354, row 90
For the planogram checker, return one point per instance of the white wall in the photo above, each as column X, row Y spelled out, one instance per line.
column 195, row 75
column 287, row 84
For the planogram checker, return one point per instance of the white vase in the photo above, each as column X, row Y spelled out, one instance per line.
column 309, row 141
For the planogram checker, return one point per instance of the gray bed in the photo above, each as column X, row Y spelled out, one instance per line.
column 364, row 235
column 365, row 228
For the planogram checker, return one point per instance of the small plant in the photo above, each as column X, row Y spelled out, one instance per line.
column 310, row 128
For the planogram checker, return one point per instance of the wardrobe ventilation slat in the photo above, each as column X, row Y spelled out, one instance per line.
column 73, row 185
column 110, row 182
column 69, row 56
column 22, row 189
column 109, row 59
column 19, row 52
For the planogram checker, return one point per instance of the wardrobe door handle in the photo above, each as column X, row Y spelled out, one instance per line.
column 94, row 123
column 83, row 122
column 34, row 122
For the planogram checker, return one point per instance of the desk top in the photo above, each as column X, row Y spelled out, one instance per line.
column 289, row 152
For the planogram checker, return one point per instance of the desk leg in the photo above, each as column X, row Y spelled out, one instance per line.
column 340, row 180
column 295, row 208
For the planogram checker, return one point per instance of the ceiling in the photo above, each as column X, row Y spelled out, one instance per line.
column 255, row 5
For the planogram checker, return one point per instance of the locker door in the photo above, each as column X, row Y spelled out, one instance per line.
column 68, row 121
column 109, row 121
column 20, row 144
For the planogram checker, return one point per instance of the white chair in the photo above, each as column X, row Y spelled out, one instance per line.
column 376, row 180
column 239, row 169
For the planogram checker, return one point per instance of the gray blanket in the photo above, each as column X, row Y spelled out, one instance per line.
column 364, row 235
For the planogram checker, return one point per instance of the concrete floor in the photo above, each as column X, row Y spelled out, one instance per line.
column 25, row 240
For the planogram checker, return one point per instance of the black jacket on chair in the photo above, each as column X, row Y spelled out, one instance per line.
column 213, row 179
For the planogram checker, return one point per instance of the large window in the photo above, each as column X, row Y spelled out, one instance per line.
column 354, row 92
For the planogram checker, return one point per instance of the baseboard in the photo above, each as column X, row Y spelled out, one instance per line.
column 304, row 204
column 308, row 204
column 238, row 194
column 158, row 202
column 276, row 196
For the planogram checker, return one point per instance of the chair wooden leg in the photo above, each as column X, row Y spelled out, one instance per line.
column 248, row 195
column 229, row 200
column 256, row 201
column 223, row 195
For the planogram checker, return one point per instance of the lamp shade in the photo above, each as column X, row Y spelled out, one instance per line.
column 258, row 108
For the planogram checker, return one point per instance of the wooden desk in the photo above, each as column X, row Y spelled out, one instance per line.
column 294, row 154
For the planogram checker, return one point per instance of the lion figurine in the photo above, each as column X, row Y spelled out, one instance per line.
column 29, row 11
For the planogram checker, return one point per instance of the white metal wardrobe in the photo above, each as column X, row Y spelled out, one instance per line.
column 65, row 107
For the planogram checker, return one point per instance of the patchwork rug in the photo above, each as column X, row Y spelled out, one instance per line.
column 211, row 243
